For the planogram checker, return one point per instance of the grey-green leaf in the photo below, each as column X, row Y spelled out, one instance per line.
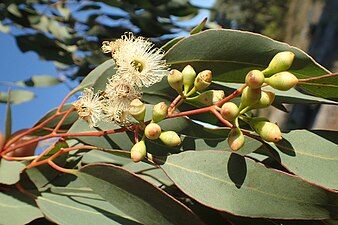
column 233, row 183
column 17, row 208
column 135, row 197
column 17, row 96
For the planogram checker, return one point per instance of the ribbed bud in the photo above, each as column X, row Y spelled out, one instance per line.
column 235, row 139
column 170, row 138
column 138, row 151
column 160, row 111
column 207, row 98
column 254, row 79
column 189, row 76
column 152, row 131
column 282, row 61
column 203, row 80
column 268, row 131
column 282, row 81
column 250, row 97
column 137, row 109
column 175, row 80
column 229, row 111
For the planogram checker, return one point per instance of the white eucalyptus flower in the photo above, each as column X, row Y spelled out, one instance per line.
column 89, row 107
column 138, row 62
column 118, row 95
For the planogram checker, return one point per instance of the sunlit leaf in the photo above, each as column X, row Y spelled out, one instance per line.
column 233, row 183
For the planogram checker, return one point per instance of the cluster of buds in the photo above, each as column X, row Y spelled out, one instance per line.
column 152, row 131
column 192, row 86
column 253, row 97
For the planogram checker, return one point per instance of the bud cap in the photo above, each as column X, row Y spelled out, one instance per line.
column 203, row 80
column 282, row 81
column 189, row 76
column 229, row 111
column 175, row 80
column 137, row 109
column 160, row 111
column 282, row 61
column 254, row 79
column 235, row 139
column 138, row 152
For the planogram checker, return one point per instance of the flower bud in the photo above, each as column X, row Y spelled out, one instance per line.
column 235, row 138
column 254, row 79
column 207, row 98
column 282, row 61
column 267, row 98
column 152, row 131
column 175, row 80
column 250, row 97
column 189, row 75
column 282, row 81
column 170, row 138
column 203, row 80
column 27, row 150
column 268, row 131
column 137, row 109
column 138, row 151
column 160, row 111
column 229, row 111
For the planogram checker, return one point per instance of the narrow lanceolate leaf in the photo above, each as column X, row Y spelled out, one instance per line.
column 199, row 27
column 17, row 208
column 10, row 171
column 232, row 183
column 312, row 155
column 325, row 87
column 231, row 54
column 39, row 81
column 100, row 73
column 135, row 196
column 8, row 119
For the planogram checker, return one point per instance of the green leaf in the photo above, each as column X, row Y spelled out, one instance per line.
column 47, row 48
column 39, row 81
column 325, row 87
column 311, row 155
column 121, row 140
column 10, row 171
column 71, row 118
column 134, row 196
column 8, row 118
column 231, row 54
column 70, row 200
column 98, row 76
column 171, row 43
column 96, row 156
column 149, row 172
column 17, row 208
column 199, row 27
column 17, row 96
column 240, row 186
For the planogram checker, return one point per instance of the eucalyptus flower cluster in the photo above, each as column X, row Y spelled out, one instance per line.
column 138, row 65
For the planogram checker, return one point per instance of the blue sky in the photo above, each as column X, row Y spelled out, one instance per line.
column 16, row 66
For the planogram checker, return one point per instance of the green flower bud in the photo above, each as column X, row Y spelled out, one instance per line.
column 207, row 98
column 137, row 109
column 235, row 139
column 170, row 138
column 189, row 75
column 250, row 97
column 160, row 111
column 175, row 80
column 152, row 131
column 138, row 151
column 254, row 79
column 229, row 111
column 267, row 98
column 282, row 61
column 268, row 131
column 203, row 80
column 282, row 81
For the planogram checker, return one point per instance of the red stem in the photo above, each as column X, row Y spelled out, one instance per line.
column 319, row 77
